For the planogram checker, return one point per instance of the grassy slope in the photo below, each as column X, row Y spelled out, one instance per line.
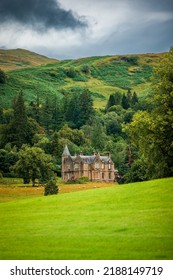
column 19, row 58
column 131, row 221
column 107, row 74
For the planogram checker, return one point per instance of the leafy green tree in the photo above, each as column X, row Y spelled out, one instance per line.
column 152, row 132
column 113, row 127
column 34, row 164
column 128, row 115
column 98, row 137
column 137, row 172
column 74, row 135
column 7, row 159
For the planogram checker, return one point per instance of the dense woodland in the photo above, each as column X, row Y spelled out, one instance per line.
column 138, row 132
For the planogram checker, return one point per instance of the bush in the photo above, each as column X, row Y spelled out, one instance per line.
column 81, row 180
column 85, row 69
column 51, row 187
column 71, row 72
column 2, row 77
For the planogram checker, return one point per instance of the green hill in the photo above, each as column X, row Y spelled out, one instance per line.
column 131, row 221
column 101, row 75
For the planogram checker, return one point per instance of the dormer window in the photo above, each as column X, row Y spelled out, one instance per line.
column 97, row 165
column 109, row 165
column 103, row 165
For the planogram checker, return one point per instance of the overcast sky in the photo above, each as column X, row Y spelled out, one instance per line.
column 79, row 28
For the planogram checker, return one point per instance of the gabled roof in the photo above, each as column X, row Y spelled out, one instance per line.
column 87, row 159
column 66, row 151
column 106, row 159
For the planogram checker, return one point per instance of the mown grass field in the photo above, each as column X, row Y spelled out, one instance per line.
column 131, row 221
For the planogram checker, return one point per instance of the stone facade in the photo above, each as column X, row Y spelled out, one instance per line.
column 96, row 167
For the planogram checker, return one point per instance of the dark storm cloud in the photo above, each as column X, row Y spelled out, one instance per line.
column 39, row 14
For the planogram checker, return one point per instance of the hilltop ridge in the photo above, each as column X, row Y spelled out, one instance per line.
column 20, row 58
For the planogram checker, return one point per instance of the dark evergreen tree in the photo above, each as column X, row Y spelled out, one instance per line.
column 85, row 107
column 117, row 98
column 111, row 101
column 18, row 126
column 129, row 97
column 46, row 115
column 1, row 115
column 125, row 103
column 21, row 129
column 73, row 111
column 134, row 99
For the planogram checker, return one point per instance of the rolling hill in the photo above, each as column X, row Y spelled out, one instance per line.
column 19, row 58
column 39, row 76
column 132, row 221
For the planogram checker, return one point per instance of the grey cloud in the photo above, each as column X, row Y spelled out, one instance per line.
column 164, row 5
column 40, row 14
column 140, row 39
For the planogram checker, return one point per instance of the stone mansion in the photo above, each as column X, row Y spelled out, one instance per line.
column 96, row 167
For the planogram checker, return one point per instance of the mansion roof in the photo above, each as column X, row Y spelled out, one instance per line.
column 87, row 159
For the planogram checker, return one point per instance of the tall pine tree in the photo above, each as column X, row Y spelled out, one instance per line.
column 85, row 107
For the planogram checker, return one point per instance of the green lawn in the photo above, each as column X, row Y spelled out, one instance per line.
column 133, row 221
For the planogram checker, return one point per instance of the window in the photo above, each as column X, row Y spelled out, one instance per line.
column 109, row 166
column 97, row 165
column 103, row 165
column 68, row 167
column 109, row 175
column 76, row 166
column 103, row 176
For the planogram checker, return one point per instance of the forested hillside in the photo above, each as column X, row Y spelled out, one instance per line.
column 101, row 75
column 104, row 104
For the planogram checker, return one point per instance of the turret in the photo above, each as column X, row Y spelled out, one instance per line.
column 66, row 152
column 65, row 156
